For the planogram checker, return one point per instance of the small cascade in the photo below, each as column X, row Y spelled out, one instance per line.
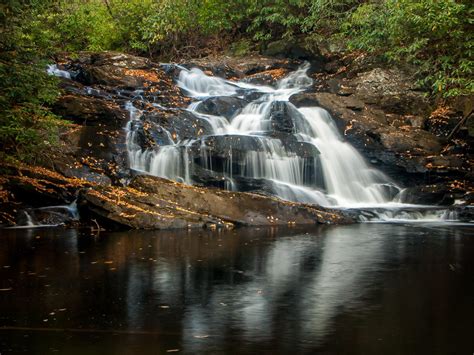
column 52, row 69
column 167, row 161
column 48, row 216
column 349, row 180
column 409, row 214
column 198, row 84
column 29, row 220
column 271, row 146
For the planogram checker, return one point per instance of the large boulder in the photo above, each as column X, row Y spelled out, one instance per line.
column 226, row 106
column 35, row 186
column 391, row 89
column 436, row 194
column 110, row 68
column 268, row 77
column 180, row 124
column 122, row 76
column 295, row 48
column 155, row 203
column 90, row 111
column 240, row 68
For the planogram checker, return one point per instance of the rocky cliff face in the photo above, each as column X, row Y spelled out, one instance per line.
column 378, row 110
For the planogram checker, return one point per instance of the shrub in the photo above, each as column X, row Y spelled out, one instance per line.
column 434, row 35
column 27, row 126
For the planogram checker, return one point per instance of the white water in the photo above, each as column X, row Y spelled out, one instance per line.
column 53, row 70
column 31, row 222
column 348, row 180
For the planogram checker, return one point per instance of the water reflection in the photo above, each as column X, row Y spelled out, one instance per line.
column 261, row 290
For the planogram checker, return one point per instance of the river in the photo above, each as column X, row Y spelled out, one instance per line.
column 362, row 289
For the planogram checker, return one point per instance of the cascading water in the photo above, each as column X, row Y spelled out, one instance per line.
column 295, row 154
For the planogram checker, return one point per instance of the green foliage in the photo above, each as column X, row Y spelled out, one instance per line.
column 327, row 15
column 241, row 48
column 276, row 18
column 434, row 35
column 27, row 126
column 145, row 26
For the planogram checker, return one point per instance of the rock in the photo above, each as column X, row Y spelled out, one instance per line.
column 240, row 68
column 155, row 203
column 120, row 75
column 51, row 216
column 226, row 106
column 90, row 111
column 180, row 124
column 109, row 68
column 284, row 117
column 35, row 186
column 232, row 155
column 442, row 121
column 391, row 89
column 295, row 48
column 82, row 172
column 94, row 153
column 409, row 140
column 438, row 195
column 465, row 214
column 267, row 77
column 149, row 134
column 326, row 99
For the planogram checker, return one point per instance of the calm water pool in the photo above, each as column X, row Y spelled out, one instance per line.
column 361, row 289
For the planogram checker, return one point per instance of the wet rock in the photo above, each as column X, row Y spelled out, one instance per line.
column 239, row 68
column 48, row 216
column 438, row 195
column 155, row 203
column 284, row 117
column 36, row 186
column 251, row 95
column 226, row 106
column 216, row 158
column 149, row 134
column 123, row 76
column 180, row 124
column 465, row 214
column 267, row 77
column 224, row 152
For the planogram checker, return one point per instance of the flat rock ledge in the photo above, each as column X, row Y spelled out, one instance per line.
column 156, row 203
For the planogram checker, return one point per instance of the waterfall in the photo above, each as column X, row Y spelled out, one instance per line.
column 270, row 145
column 29, row 220
column 350, row 181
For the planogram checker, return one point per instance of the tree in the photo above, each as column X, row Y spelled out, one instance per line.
column 27, row 126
